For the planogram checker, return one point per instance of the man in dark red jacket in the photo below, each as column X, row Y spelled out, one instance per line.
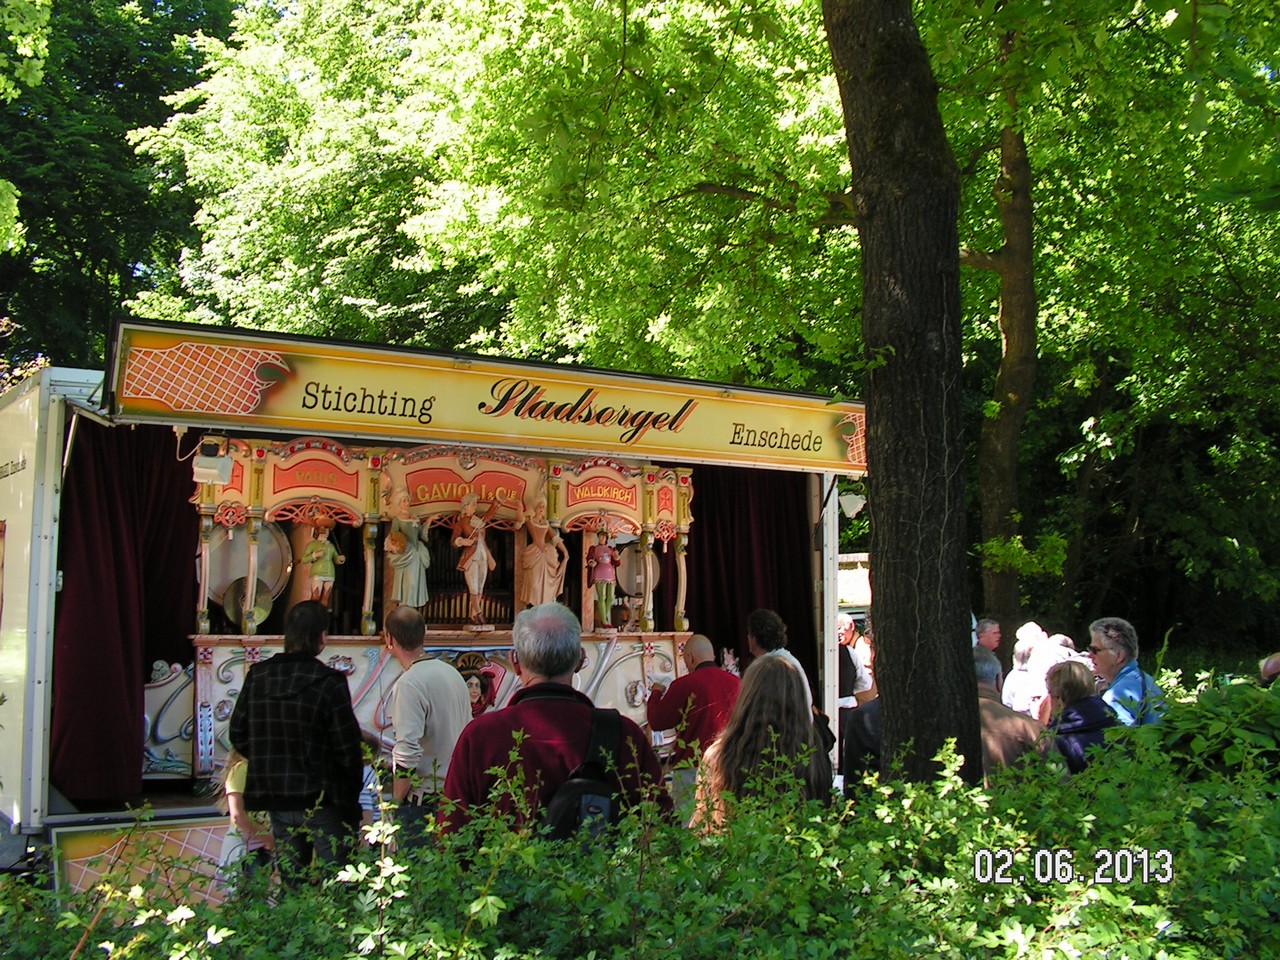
column 551, row 722
column 696, row 707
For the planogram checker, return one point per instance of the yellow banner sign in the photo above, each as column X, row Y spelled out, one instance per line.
column 215, row 378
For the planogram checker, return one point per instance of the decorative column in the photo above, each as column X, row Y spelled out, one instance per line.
column 646, row 574
column 648, row 523
column 684, row 517
column 206, row 533
column 253, row 527
column 369, row 538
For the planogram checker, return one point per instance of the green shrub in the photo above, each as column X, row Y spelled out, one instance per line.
column 905, row 870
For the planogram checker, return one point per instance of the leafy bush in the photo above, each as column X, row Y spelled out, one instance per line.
column 904, row 870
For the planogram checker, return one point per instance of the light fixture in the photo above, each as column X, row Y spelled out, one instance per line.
column 851, row 504
column 211, row 465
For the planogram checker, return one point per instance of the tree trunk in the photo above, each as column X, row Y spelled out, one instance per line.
column 998, row 446
column 906, row 196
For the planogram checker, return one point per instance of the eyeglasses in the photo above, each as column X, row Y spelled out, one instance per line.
column 1096, row 650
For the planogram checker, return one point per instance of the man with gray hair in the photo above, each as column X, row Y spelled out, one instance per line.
column 986, row 633
column 1131, row 693
column 548, row 725
column 1007, row 735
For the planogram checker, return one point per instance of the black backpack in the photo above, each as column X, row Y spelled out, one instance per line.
column 588, row 801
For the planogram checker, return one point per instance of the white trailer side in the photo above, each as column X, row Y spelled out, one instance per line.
column 33, row 422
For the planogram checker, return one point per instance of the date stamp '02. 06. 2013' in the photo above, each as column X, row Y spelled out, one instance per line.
column 1123, row 865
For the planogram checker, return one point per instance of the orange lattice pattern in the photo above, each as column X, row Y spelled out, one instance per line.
column 189, row 853
column 200, row 377
column 856, row 453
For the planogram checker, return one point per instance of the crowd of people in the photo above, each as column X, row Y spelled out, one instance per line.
column 294, row 780
column 1058, row 699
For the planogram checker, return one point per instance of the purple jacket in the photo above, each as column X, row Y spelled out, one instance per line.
column 1081, row 726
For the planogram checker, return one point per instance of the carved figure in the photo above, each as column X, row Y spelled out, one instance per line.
column 407, row 554
column 544, row 558
column 602, row 573
column 476, row 561
column 320, row 556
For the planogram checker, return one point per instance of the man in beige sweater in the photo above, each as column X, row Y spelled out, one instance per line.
column 429, row 708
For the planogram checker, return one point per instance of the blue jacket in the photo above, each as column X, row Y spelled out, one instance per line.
column 1134, row 696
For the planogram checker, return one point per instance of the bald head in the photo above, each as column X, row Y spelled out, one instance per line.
column 1269, row 669
column 698, row 649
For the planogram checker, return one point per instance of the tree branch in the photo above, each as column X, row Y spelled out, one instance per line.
column 977, row 153
column 981, row 259
column 739, row 193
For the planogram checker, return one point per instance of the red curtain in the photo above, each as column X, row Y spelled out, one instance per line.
column 751, row 546
column 127, row 546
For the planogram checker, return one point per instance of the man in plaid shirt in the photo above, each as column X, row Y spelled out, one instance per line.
column 294, row 724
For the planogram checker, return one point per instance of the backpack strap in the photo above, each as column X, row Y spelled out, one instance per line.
column 606, row 738
column 606, row 727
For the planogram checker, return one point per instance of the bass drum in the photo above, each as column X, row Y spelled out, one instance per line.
column 630, row 571
column 233, row 601
column 229, row 561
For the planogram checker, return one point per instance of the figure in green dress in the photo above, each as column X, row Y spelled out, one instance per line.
column 407, row 554
column 321, row 556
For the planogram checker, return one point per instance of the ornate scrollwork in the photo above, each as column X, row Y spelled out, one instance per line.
column 610, row 523
column 306, row 444
column 468, row 457
column 231, row 514
column 310, row 509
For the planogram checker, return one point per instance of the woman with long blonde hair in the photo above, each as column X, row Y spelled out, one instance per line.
column 768, row 746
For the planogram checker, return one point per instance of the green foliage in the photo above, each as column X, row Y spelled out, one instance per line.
column 95, row 231
column 654, row 188
column 24, row 43
column 1234, row 728
column 10, row 229
column 306, row 146
column 665, row 187
column 11, row 374
column 1012, row 553
column 1039, row 865
column 1154, row 301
